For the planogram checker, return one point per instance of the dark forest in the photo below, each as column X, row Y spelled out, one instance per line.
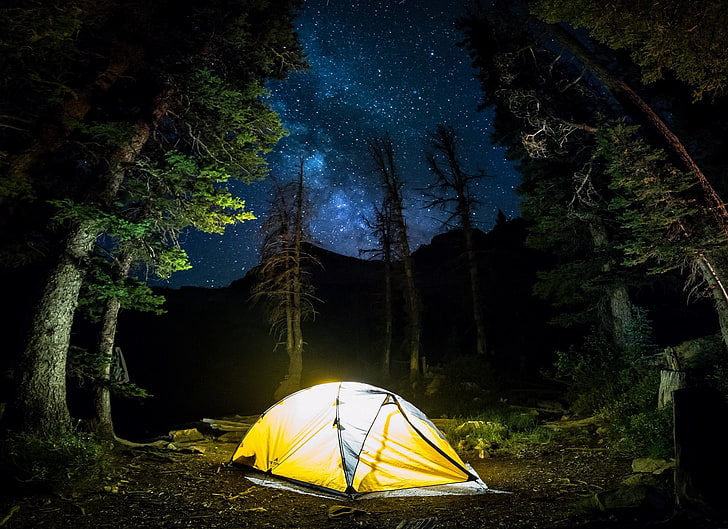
column 126, row 124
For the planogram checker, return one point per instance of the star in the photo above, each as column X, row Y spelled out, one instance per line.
column 377, row 67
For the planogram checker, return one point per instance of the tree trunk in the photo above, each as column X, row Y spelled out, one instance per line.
column 712, row 273
column 41, row 401
column 478, row 317
column 629, row 98
column 413, row 306
column 382, row 152
column 292, row 379
column 621, row 310
column 102, row 394
column 670, row 381
column 40, row 406
column 387, row 348
column 294, row 310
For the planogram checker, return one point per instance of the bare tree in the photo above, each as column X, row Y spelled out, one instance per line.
column 452, row 193
column 382, row 153
column 283, row 281
column 383, row 229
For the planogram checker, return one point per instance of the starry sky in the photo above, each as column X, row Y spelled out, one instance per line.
column 377, row 66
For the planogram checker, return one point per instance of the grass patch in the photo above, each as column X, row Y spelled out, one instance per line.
column 71, row 461
column 507, row 429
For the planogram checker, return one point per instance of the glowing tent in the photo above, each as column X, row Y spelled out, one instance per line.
column 351, row 438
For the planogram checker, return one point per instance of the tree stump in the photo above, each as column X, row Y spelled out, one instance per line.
column 670, row 381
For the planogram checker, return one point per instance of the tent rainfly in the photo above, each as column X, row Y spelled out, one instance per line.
column 350, row 438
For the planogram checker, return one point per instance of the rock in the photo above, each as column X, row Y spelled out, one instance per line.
column 649, row 480
column 651, row 466
column 632, row 497
column 232, row 424
column 189, row 435
column 230, row 437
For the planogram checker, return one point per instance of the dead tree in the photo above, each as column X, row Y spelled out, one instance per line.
column 382, row 153
column 452, row 192
column 283, row 281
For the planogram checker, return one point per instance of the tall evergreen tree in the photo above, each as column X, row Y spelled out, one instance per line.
column 174, row 88
column 546, row 114
column 688, row 40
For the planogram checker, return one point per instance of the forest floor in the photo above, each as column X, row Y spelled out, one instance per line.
column 545, row 487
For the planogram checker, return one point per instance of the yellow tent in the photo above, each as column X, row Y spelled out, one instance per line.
column 351, row 438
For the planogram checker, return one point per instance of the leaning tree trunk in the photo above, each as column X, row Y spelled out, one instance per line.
column 40, row 405
column 102, row 393
column 712, row 271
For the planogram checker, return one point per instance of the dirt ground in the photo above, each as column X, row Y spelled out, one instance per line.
column 156, row 488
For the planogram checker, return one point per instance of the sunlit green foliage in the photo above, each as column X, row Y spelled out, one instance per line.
column 498, row 428
column 100, row 286
column 200, row 198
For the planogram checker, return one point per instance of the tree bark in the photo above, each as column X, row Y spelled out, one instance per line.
column 478, row 316
column 40, row 405
column 621, row 310
column 294, row 310
column 102, row 393
column 711, row 272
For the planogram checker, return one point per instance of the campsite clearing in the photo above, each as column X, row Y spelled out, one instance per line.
column 163, row 488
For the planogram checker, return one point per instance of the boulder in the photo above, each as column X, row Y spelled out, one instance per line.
column 230, row 437
column 189, row 435
column 647, row 465
column 641, row 497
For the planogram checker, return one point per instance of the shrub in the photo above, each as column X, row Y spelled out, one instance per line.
column 498, row 428
column 621, row 386
column 54, row 464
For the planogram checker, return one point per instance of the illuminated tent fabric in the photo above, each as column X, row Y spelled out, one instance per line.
column 350, row 438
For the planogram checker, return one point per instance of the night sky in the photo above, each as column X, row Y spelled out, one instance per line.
column 377, row 66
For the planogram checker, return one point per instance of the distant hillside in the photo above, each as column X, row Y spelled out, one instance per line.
column 211, row 353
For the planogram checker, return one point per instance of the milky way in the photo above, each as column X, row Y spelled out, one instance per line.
column 389, row 66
